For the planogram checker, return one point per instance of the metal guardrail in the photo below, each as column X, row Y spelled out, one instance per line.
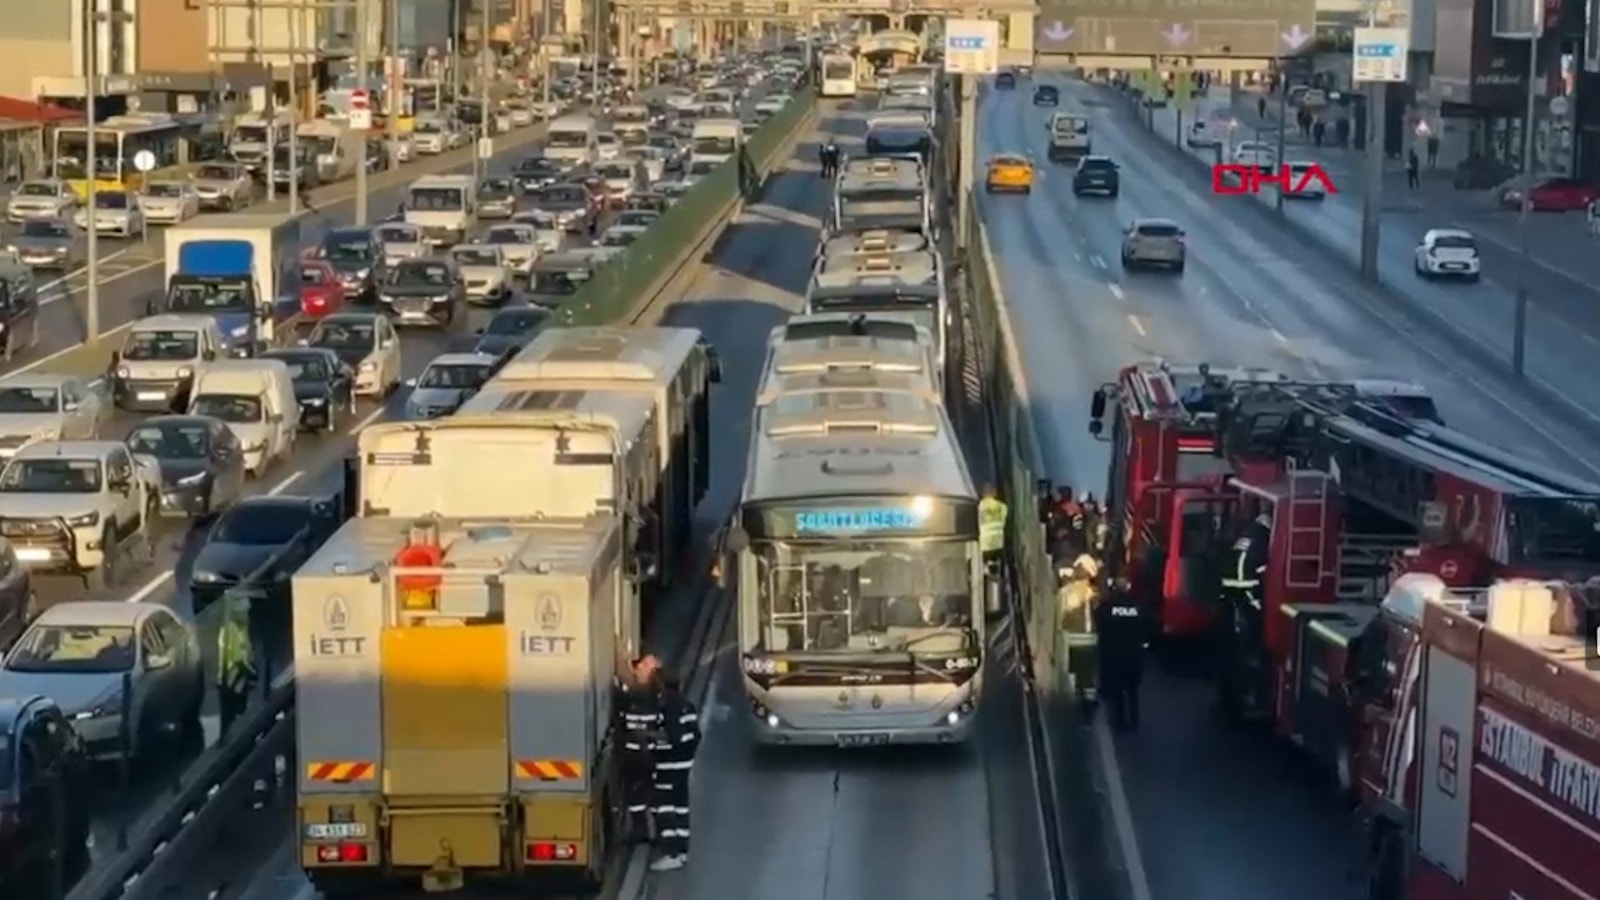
column 223, row 778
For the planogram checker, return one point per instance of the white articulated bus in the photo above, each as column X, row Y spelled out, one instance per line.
column 838, row 75
column 854, row 559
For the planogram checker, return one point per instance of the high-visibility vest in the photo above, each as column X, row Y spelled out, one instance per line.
column 235, row 668
column 991, row 525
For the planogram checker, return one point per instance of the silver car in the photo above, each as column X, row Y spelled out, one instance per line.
column 518, row 243
column 81, row 655
column 447, row 383
column 400, row 242
column 46, row 198
column 497, row 199
column 169, row 202
column 1153, row 242
column 47, row 244
column 115, row 212
column 483, row 268
column 223, row 186
column 39, row 406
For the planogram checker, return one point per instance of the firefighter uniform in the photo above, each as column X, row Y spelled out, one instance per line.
column 641, row 724
column 992, row 528
column 1249, row 562
column 674, row 761
column 1123, row 630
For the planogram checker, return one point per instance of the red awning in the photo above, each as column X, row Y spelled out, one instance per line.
column 30, row 111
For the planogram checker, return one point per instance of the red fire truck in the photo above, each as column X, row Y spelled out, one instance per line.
column 1483, row 781
column 1358, row 492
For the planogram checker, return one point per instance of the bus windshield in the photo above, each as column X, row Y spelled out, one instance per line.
column 72, row 154
column 838, row 70
column 863, row 596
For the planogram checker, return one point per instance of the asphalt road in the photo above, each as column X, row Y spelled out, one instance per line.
column 790, row 826
column 1217, row 815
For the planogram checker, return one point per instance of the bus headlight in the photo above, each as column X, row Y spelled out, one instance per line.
column 952, row 717
column 756, row 665
column 772, row 720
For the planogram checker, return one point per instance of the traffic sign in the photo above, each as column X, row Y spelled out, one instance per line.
column 360, row 109
column 1379, row 55
column 971, row 46
column 1099, row 29
column 144, row 161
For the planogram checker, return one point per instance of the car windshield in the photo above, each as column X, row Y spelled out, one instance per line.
column 704, row 166
column 29, row 399
column 638, row 218
column 1454, row 242
column 563, row 196
column 614, row 170
column 438, row 199
column 347, row 248
column 536, row 166
column 155, row 346
column 1097, row 164
column 171, row 440
column 111, row 200
column 423, row 275
column 1158, row 229
column 336, row 335
column 399, row 234
column 515, row 322
column 164, row 189
column 311, row 276
column 240, row 409
column 303, row 366
column 214, row 173
column 560, row 282
column 496, row 187
column 617, row 237
column 475, row 256
column 73, row 648
column 258, row 525
column 454, row 376
column 51, row 476
column 507, row 236
column 37, row 189
column 45, row 229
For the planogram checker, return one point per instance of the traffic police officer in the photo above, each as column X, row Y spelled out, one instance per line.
column 992, row 514
column 236, row 667
column 674, row 762
column 1123, row 631
column 640, row 723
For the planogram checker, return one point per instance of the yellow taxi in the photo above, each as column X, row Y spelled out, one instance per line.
column 1009, row 172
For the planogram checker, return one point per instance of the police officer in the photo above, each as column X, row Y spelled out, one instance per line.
column 1122, row 628
column 991, row 527
column 236, row 668
column 674, row 762
column 640, row 724
column 1249, row 562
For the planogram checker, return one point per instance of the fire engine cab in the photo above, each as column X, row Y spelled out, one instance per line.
column 1348, row 491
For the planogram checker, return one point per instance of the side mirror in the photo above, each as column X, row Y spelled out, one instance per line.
column 411, row 382
column 1097, row 404
column 208, row 355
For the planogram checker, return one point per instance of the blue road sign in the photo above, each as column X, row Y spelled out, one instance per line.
column 1377, row 51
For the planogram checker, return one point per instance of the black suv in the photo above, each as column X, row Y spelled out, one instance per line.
column 1096, row 175
column 44, row 799
column 1046, row 95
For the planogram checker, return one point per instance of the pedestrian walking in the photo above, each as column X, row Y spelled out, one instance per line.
column 1261, row 107
column 1413, row 167
column 1433, row 151
column 674, row 764
column 236, row 667
column 640, row 722
column 1123, row 631
column 1319, row 130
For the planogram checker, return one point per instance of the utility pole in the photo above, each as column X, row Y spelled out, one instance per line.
column 362, row 65
column 1519, row 320
column 91, row 87
column 395, row 89
column 296, row 13
column 485, row 143
column 1371, row 202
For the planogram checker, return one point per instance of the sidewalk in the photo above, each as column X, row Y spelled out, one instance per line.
column 1559, row 243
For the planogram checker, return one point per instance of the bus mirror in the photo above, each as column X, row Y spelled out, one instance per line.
column 1096, row 428
column 737, row 540
column 1097, row 408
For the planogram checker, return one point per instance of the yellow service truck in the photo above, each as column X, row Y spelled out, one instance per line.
column 454, row 687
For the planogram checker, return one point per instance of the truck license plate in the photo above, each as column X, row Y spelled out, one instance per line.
column 863, row 740
column 151, row 395
column 333, row 831
column 33, row 554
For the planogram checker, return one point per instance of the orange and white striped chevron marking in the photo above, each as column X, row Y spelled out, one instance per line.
column 340, row 771
column 548, row 769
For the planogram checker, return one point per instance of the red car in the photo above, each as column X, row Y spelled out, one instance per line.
column 1562, row 195
column 320, row 290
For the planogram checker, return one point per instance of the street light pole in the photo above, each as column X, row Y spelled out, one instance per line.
column 362, row 64
column 91, row 165
column 484, row 120
column 394, row 92
column 294, row 107
column 1519, row 321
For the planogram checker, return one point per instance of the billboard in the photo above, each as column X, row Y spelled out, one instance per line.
column 1253, row 29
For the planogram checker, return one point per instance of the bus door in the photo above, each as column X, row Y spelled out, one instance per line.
column 1191, row 574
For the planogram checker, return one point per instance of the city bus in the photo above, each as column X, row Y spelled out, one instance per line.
column 838, row 75
column 903, row 285
column 118, row 140
column 855, row 563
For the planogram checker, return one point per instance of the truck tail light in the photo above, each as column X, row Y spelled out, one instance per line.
column 342, row 853
column 551, row 851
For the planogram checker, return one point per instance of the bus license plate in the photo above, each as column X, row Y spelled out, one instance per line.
column 863, row 740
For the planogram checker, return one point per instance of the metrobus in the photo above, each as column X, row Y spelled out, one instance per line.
column 117, row 141
column 903, row 285
column 838, row 75
column 854, row 560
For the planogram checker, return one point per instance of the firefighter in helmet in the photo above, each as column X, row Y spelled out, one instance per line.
column 1248, row 562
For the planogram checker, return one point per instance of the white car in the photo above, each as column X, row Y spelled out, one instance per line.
column 621, row 177
column 400, row 241
column 518, row 243
column 115, row 212
column 773, row 104
column 169, row 202
column 618, row 238
column 607, row 146
column 431, row 138
column 1255, row 153
column 1203, row 135
column 47, row 198
column 1448, row 253
column 367, row 343
column 483, row 267
column 519, row 116
column 402, row 149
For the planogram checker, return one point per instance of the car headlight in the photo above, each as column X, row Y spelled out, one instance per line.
column 362, row 273
column 208, row 577
column 124, row 372
column 368, row 368
column 194, row 480
column 186, row 372
column 239, row 332
column 88, row 520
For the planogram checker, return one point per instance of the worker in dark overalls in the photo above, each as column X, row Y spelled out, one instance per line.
column 640, row 724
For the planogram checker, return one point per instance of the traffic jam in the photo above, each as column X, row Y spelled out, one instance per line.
column 136, row 502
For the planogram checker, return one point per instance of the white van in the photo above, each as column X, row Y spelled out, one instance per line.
column 1069, row 136
column 255, row 398
column 572, row 140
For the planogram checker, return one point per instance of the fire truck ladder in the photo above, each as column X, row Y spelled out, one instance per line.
column 1307, row 504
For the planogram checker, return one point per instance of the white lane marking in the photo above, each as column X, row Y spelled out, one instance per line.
column 150, row 587
column 1116, row 291
column 1279, row 335
column 1121, row 812
column 1098, row 262
column 286, row 483
column 81, row 270
column 1137, row 325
